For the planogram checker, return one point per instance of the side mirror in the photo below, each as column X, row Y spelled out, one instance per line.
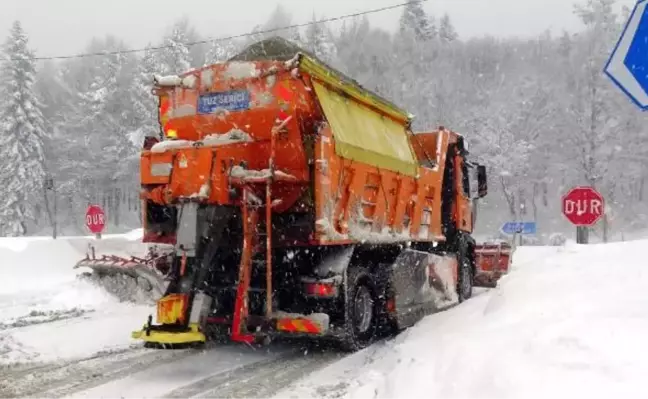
column 482, row 181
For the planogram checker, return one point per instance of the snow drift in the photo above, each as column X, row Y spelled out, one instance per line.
column 568, row 321
column 47, row 312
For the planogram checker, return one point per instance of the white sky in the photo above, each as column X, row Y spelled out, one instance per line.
column 59, row 27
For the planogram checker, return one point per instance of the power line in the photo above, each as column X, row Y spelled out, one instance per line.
column 220, row 39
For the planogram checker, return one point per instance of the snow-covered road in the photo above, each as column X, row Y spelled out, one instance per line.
column 223, row 371
column 567, row 321
column 62, row 336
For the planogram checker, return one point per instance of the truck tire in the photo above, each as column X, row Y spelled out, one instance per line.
column 465, row 280
column 360, row 321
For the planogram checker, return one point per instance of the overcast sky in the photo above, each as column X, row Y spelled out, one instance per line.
column 58, row 27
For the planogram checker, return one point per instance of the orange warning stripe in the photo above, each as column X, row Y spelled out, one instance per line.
column 298, row 326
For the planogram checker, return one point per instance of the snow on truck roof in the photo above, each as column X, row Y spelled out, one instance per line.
column 384, row 141
column 279, row 49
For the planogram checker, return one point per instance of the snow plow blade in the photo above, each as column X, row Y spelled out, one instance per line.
column 141, row 270
column 492, row 262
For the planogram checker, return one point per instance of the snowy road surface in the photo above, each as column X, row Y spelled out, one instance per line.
column 566, row 321
column 224, row 371
column 65, row 337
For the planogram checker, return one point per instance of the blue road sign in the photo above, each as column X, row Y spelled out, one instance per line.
column 526, row 228
column 628, row 64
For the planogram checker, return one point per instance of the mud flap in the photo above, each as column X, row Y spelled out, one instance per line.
column 423, row 283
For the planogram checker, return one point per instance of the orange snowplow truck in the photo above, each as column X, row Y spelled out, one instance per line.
column 299, row 203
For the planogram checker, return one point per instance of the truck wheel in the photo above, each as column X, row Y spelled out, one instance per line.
column 465, row 283
column 360, row 323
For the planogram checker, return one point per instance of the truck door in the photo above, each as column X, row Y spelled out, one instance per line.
column 448, row 195
column 463, row 209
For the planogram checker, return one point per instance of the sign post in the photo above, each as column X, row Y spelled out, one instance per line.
column 583, row 207
column 95, row 219
column 628, row 64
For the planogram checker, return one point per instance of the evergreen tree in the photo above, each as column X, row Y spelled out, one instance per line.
column 220, row 51
column 415, row 21
column 22, row 134
column 175, row 58
column 319, row 40
column 280, row 18
column 98, row 128
column 565, row 46
column 107, row 115
column 143, row 110
column 447, row 32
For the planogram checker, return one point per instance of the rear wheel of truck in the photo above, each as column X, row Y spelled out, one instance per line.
column 360, row 322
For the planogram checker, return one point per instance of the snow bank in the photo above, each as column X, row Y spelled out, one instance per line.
column 48, row 313
column 38, row 263
column 568, row 321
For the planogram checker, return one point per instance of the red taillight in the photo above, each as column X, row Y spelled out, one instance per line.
column 391, row 305
column 320, row 289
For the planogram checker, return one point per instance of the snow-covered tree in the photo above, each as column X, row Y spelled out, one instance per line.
column 220, row 51
column 414, row 19
column 142, row 113
column 96, row 155
column 447, row 32
column 175, row 57
column 595, row 123
column 565, row 45
column 354, row 57
column 320, row 41
column 108, row 115
column 23, row 136
column 279, row 19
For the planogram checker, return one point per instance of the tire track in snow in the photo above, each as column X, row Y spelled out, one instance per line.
column 41, row 317
column 268, row 377
column 260, row 379
column 62, row 379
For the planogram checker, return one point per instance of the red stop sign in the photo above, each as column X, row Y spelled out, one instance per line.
column 95, row 219
column 583, row 206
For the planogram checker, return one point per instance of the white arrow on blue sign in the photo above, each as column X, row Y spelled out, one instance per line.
column 628, row 64
column 525, row 228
